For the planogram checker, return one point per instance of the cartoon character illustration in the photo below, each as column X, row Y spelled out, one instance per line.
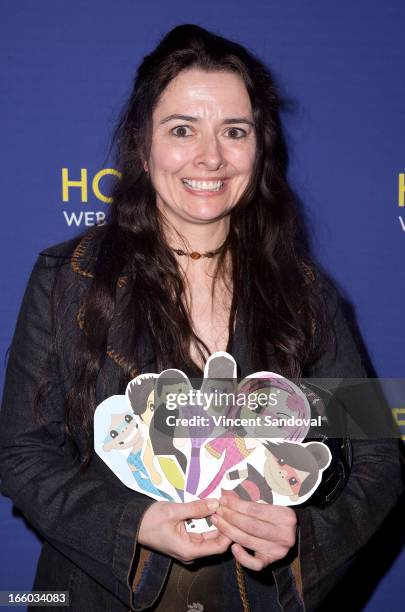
column 230, row 446
column 171, row 455
column 291, row 402
column 219, row 377
column 172, row 461
column 293, row 470
column 234, row 450
column 141, row 396
column 125, row 433
column 238, row 443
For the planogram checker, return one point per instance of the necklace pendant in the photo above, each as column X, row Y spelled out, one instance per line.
column 195, row 255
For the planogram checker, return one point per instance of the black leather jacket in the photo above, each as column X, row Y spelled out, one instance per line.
column 89, row 519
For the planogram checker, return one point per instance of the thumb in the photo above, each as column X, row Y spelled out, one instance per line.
column 196, row 509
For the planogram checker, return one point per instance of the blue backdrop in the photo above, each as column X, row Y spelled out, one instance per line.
column 66, row 70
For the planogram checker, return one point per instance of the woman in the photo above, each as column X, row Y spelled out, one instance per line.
column 203, row 252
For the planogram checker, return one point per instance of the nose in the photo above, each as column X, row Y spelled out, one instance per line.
column 210, row 154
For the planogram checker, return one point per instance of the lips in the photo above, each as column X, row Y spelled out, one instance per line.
column 203, row 186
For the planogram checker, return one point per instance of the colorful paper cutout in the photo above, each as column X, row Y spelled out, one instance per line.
column 175, row 443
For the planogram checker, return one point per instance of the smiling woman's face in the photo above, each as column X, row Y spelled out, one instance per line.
column 203, row 146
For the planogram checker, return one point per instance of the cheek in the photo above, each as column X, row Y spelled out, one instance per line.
column 270, row 468
column 167, row 159
column 242, row 159
column 272, row 463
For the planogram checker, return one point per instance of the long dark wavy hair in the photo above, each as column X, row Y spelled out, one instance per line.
column 274, row 284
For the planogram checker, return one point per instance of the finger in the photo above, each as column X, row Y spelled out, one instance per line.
column 273, row 549
column 195, row 509
column 248, row 524
column 281, row 534
column 246, row 559
column 265, row 512
column 210, row 535
column 196, row 550
column 195, row 537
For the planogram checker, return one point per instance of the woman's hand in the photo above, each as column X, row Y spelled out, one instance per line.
column 162, row 529
column 268, row 531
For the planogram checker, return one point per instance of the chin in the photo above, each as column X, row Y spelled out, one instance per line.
column 207, row 214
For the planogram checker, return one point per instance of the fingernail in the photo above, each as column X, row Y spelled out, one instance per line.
column 213, row 504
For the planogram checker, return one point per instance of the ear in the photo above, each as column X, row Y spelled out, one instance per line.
column 321, row 454
column 145, row 167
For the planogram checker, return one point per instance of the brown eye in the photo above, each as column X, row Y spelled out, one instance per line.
column 236, row 133
column 281, row 461
column 113, row 433
column 293, row 481
column 128, row 418
column 181, row 131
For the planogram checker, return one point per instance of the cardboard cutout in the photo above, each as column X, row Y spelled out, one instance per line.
column 175, row 443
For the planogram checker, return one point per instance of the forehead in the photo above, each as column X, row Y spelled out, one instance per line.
column 199, row 91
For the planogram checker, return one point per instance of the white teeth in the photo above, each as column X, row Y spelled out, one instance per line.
column 203, row 185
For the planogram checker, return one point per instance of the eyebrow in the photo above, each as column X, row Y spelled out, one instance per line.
column 195, row 119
